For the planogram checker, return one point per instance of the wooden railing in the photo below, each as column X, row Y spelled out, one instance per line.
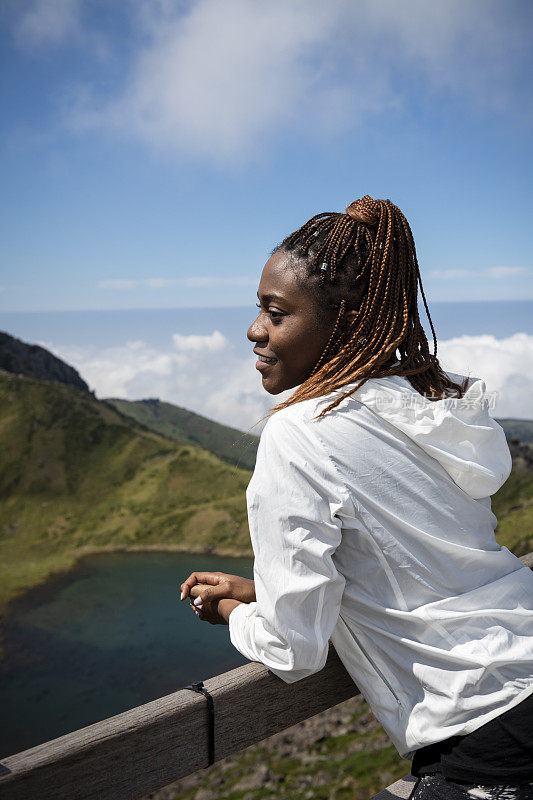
column 142, row 750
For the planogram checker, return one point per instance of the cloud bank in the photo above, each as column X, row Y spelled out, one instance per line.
column 502, row 363
column 203, row 373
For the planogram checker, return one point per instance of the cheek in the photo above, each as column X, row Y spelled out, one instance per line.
column 305, row 345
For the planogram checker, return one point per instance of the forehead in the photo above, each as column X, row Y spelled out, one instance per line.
column 282, row 276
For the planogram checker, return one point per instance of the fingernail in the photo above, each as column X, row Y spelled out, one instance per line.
column 197, row 601
column 182, row 595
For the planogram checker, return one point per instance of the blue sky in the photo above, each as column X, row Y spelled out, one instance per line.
column 152, row 153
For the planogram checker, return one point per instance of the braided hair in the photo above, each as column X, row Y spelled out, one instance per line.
column 365, row 260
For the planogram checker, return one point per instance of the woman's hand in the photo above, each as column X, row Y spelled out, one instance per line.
column 219, row 585
column 216, row 611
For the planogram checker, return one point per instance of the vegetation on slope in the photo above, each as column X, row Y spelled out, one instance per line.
column 76, row 475
column 513, row 503
column 187, row 427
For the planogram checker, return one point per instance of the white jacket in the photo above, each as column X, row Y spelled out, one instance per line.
column 372, row 527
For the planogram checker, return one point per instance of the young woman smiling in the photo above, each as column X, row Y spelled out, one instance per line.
column 369, row 513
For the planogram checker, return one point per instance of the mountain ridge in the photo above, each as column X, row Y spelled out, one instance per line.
column 34, row 361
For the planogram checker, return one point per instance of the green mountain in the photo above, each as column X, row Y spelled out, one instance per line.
column 77, row 475
column 186, row 427
column 513, row 503
column 521, row 429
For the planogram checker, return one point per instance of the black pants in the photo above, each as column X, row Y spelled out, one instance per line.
column 435, row 787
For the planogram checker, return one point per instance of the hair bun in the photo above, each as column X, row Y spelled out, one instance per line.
column 365, row 210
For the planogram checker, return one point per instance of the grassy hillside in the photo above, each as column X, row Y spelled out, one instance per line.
column 186, row 427
column 76, row 475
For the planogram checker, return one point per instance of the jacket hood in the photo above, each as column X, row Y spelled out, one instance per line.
column 458, row 432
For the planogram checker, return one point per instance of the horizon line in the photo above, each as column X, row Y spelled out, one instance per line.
column 211, row 307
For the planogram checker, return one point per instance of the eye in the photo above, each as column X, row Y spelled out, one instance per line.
column 274, row 315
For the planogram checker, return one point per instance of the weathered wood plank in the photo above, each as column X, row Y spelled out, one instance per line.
column 400, row 789
column 139, row 751
column 527, row 560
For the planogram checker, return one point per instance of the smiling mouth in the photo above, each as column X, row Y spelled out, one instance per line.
column 264, row 362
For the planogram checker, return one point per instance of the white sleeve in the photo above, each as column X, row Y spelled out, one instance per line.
column 293, row 502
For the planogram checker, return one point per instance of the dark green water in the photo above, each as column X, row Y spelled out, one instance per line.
column 108, row 636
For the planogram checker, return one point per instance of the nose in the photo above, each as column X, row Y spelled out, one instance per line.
column 257, row 331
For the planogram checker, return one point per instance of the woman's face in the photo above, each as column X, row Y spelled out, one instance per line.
column 291, row 330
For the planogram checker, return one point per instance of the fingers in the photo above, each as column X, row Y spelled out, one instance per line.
column 202, row 593
column 211, row 593
column 216, row 585
column 203, row 602
column 198, row 577
column 206, row 611
column 195, row 600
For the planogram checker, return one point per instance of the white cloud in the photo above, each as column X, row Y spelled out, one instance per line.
column 216, row 341
column 121, row 284
column 504, row 364
column 215, row 80
column 160, row 283
column 48, row 22
column 506, row 272
column 118, row 284
column 199, row 282
column 449, row 274
column 220, row 80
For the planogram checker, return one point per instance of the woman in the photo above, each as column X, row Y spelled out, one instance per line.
column 369, row 513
